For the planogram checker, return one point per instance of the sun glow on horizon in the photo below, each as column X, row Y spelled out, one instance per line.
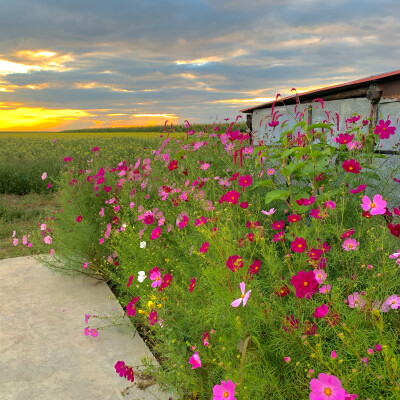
column 22, row 118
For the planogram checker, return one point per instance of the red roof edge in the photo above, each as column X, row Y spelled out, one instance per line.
column 368, row 79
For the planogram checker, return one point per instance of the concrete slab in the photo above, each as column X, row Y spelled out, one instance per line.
column 44, row 353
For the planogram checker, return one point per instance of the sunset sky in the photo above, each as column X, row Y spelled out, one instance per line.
column 67, row 64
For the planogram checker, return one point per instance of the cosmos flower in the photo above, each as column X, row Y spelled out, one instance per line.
column 225, row 391
column 243, row 296
column 326, row 387
column 376, row 207
column 195, row 360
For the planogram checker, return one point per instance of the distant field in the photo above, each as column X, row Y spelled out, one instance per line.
column 24, row 156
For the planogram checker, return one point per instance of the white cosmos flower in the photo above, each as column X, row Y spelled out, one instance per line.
column 141, row 276
column 142, row 245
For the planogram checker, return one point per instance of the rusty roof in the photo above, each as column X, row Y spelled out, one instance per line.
column 327, row 90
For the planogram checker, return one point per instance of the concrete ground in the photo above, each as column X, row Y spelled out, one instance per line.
column 44, row 353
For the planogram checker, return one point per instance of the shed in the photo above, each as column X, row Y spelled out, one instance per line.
column 376, row 96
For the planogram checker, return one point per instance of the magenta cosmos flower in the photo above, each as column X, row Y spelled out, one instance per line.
column 155, row 233
column 351, row 166
column 234, row 262
column 244, row 297
column 321, row 311
column 155, row 275
column 327, row 387
column 195, row 360
column 384, row 130
column 305, row 284
column 350, row 244
column 299, row 245
column 245, row 181
column 377, row 205
column 224, row 391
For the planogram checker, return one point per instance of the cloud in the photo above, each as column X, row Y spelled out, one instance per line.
column 185, row 58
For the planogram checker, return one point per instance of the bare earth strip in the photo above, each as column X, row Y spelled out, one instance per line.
column 44, row 351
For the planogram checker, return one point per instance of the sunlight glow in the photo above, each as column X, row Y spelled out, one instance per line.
column 26, row 118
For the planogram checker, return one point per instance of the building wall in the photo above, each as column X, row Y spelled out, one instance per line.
column 387, row 167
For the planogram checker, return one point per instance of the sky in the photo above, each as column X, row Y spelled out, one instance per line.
column 68, row 64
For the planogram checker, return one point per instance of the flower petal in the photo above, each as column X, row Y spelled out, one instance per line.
column 236, row 302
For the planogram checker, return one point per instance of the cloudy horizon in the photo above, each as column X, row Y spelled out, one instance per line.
column 80, row 64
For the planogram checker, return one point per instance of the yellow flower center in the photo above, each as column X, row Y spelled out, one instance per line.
column 393, row 302
column 373, row 205
column 305, row 283
column 242, row 296
column 350, row 168
column 327, row 391
column 158, row 278
column 226, row 394
column 355, row 301
column 299, row 246
column 350, row 246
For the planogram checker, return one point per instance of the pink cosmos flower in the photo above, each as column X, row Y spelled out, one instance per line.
column 347, row 234
column 333, row 354
column 384, row 130
column 204, row 247
column 155, row 233
column 299, row 245
column 326, row 387
column 155, row 275
column 192, row 284
column 358, row 190
column 245, row 181
column 350, row 244
column 225, row 391
column 377, row 205
column 101, row 212
column 270, row 212
column 87, row 316
column 200, row 221
column 94, row 332
column 305, row 284
column 48, row 240
column 15, row 241
column 205, row 166
column 153, row 317
column 87, row 331
column 396, row 256
column 44, row 176
column 129, row 281
column 355, row 301
column 195, row 360
column 43, row 227
column 79, row 218
column 270, row 171
column 243, row 297
column 234, row 262
column 393, row 302
column 131, row 306
column 325, row 289
column 85, row 264
column 320, row 275
column 321, row 311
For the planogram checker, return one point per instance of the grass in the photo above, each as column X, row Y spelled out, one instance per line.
column 22, row 214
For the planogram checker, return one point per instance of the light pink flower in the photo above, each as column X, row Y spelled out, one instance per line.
column 48, row 240
column 205, row 166
column 270, row 212
column 43, row 227
column 243, row 297
column 377, row 205
column 271, row 171
column 320, row 275
column 350, row 244
column 396, row 256
column 393, row 302
column 195, row 360
column 101, row 212
column 15, row 241
column 355, row 301
column 44, row 176
column 325, row 289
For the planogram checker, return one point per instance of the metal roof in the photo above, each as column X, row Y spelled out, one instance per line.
column 327, row 90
